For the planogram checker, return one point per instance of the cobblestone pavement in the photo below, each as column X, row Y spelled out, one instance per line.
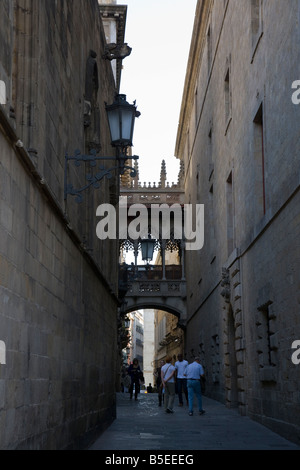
column 143, row 425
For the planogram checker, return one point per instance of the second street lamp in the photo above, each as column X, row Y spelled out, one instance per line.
column 148, row 245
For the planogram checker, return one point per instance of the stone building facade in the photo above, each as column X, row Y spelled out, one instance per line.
column 169, row 336
column 149, row 343
column 239, row 139
column 135, row 346
column 58, row 282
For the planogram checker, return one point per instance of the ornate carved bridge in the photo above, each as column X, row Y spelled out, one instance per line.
column 146, row 288
column 161, row 285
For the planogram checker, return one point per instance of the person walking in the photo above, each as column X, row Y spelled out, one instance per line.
column 181, row 379
column 159, row 384
column 168, row 381
column 194, row 372
column 136, row 375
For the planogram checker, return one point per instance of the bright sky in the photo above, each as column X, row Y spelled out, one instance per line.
column 159, row 32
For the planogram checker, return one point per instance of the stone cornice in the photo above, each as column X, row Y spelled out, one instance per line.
column 194, row 61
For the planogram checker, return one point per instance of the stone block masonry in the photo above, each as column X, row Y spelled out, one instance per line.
column 57, row 320
column 239, row 140
column 58, row 286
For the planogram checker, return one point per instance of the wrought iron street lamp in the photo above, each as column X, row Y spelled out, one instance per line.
column 148, row 245
column 121, row 117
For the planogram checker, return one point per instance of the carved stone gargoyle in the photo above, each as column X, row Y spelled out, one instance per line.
column 116, row 51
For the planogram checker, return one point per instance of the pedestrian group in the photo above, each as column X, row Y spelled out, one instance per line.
column 183, row 378
column 188, row 381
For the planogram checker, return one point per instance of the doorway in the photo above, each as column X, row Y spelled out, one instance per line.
column 233, row 390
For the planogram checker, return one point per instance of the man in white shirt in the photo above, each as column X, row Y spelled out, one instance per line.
column 193, row 373
column 180, row 367
column 168, row 381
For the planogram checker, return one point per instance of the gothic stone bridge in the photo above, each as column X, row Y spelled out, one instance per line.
column 145, row 287
column 161, row 286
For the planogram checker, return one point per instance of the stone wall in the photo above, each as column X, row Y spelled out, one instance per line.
column 239, row 139
column 58, row 282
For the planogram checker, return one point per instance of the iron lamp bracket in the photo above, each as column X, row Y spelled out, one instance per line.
column 94, row 178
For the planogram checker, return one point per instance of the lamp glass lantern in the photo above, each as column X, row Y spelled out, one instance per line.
column 121, row 116
column 147, row 245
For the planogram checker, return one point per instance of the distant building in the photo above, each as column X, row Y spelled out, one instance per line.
column 149, row 341
column 135, row 348
column 169, row 337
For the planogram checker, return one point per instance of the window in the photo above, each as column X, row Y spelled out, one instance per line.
column 228, row 95
column 259, row 162
column 265, row 323
column 267, row 342
column 209, row 49
column 196, row 109
column 198, row 184
column 256, row 24
column 230, row 215
column 211, row 215
column 215, row 358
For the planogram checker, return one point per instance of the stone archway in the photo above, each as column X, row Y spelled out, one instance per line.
column 176, row 308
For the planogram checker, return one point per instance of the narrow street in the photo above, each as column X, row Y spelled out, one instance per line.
column 149, row 218
column 143, row 425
